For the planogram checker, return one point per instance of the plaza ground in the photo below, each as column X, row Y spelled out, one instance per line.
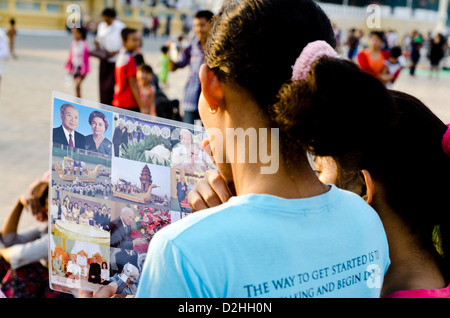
column 25, row 105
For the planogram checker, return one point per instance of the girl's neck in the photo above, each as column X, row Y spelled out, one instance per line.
column 288, row 183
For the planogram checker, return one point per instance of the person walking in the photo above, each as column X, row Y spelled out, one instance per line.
column 109, row 42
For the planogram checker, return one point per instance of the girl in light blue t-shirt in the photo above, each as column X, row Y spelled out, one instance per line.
column 284, row 234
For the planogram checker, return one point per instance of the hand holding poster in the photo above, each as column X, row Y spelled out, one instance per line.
column 117, row 177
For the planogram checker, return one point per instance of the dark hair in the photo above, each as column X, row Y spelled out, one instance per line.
column 317, row 115
column 126, row 32
column 206, row 14
column 396, row 51
column 98, row 114
column 164, row 49
column 378, row 34
column 415, row 171
column 109, row 12
column 82, row 31
column 391, row 134
column 12, row 21
column 243, row 46
column 146, row 68
column 40, row 191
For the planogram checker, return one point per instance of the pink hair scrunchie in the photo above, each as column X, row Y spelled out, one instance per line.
column 311, row 53
column 446, row 141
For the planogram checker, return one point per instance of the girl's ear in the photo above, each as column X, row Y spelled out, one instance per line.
column 211, row 87
column 368, row 196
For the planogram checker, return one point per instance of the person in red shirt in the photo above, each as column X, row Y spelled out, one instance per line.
column 372, row 59
column 126, row 91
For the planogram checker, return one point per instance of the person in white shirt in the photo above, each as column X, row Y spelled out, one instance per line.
column 109, row 38
column 64, row 213
column 73, row 269
column 54, row 210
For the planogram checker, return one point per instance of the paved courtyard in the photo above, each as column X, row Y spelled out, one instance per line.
column 25, row 103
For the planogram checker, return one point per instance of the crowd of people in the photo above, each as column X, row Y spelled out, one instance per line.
column 91, row 189
column 385, row 54
column 125, row 79
column 68, row 211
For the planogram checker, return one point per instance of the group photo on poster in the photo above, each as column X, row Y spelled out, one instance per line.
column 78, row 264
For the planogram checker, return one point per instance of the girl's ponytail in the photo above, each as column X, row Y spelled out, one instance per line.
column 330, row 107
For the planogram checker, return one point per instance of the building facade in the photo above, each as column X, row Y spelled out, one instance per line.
column 402, row 15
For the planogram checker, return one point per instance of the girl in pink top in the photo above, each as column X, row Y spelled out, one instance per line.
column 78, row 61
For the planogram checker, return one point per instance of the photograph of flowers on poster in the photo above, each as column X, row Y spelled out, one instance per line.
column 149, row 220
column 141, row 223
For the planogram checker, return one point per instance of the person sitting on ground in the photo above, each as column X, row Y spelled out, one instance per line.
column 24, row 253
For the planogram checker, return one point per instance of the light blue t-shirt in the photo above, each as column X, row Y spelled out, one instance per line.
column 331, row 245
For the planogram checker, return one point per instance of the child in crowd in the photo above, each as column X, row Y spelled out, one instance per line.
column 12, row 32
column 164, row 62
column 145, row 78
column 393, row 66
column 78, row 61
column 126, row 91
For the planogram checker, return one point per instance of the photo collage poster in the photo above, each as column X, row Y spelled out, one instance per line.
column 117, row 177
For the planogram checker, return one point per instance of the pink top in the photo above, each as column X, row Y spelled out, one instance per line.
column 84, row 57
column 421, row 293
